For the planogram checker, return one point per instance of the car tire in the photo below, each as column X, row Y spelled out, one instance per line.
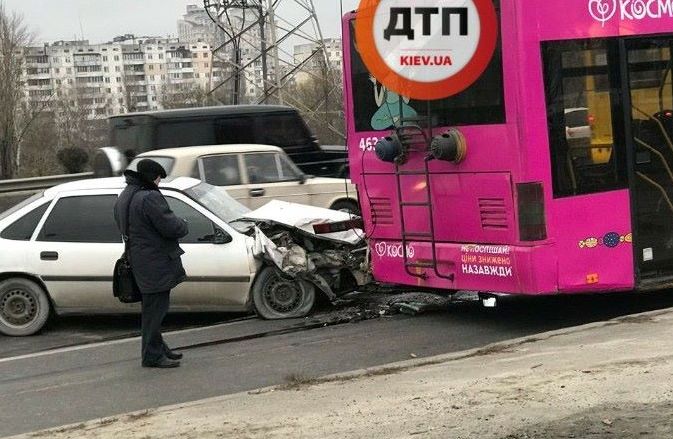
column 348, row 206
column 24, row 307
column 277, row 297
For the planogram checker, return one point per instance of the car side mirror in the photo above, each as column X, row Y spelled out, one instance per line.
column 303, row 178
column 221, row 237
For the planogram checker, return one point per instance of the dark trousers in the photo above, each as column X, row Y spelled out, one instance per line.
column 154, row 309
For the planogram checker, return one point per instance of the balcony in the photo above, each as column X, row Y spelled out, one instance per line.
column 39, row 87
column 38, row 76
column 88, row 74
column 133, row 61
column 39, row 98
column 87, row 63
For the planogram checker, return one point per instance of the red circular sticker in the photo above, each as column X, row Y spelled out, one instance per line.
column 431, row 50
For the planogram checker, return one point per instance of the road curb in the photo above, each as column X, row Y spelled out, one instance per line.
column 500, row 346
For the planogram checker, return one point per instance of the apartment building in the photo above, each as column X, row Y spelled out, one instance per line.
column 125, row 75
column 313, row 60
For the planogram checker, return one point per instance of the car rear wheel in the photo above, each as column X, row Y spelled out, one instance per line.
column 24, row 307
column 348, row 206
column 276, row 297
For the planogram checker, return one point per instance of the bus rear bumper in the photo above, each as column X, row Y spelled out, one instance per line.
column 495, row 268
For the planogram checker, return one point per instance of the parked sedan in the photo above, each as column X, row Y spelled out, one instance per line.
column 255, row 175
column 59, row 249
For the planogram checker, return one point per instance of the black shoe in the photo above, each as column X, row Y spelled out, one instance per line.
column 172, row 355
column 164, row 363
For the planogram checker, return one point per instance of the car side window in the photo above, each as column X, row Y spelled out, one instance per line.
column 262, row 168
column 221, row 170
column 23, row 228
column 201, row 229
column 85, row 219
column 288, row 170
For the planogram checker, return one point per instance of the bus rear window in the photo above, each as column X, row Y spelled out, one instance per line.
column 376, row 108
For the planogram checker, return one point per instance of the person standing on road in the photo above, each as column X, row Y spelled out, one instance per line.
column 153, row 232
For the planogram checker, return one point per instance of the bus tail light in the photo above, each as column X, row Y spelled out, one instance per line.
column 532, row 223
column 450, row 146
column 389, row 149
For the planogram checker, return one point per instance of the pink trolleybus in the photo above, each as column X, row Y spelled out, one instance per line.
column 553, row 173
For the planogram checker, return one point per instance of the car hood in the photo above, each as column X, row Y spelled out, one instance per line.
column 303, row 218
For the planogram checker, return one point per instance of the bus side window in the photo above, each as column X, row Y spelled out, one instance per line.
column 582, row 79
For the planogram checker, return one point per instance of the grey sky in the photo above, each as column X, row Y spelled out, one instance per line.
column 101, row 20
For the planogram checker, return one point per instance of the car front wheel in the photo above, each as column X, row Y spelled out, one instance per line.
column 276, row 297
column 24, row 307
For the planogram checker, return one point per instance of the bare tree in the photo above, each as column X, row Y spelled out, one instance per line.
column 326, row 112
column 14, row 35
column 185, row 95
column 39, row 144
column 62, row 135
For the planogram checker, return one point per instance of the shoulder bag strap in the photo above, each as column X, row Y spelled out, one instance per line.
column 125, row 235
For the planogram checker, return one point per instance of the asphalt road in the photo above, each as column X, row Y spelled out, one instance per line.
column 77, row 330
column 59, row 387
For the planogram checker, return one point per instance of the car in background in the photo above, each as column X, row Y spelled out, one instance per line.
column 282, row 126
column 59, row 249
column 255, row 175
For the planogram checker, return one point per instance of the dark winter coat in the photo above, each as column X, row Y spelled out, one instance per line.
column 153, row 234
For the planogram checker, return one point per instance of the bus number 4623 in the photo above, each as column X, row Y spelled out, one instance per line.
column 368, row 143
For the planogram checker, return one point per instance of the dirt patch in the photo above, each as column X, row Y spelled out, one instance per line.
column 624, row 422
column 297, row 381
column 140, row 415
column 68, row 429
column 636, row 319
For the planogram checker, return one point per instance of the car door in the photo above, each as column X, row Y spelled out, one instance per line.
column 224, row 170
column 218, row 274
column 271, row 178
column 74, row 251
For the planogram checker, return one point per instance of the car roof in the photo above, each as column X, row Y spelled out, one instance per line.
column 222, row 110
column 179, row 183
column 197, row 151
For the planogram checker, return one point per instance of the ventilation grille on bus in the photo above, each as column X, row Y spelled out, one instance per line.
column 493, row 213
column 382, row 211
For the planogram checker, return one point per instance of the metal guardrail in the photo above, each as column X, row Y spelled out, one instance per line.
column 39, row 183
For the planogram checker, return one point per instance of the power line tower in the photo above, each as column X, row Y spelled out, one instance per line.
column 255, row 44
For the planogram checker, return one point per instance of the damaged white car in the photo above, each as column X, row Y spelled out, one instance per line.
column 59, row 248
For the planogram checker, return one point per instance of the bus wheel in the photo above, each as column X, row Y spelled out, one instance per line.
column 276, row 297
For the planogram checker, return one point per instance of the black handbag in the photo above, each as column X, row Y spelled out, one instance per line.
column 124, row 286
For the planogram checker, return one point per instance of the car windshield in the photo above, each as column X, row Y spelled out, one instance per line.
column 218, row 201
column 165, row 162
column 20, row 206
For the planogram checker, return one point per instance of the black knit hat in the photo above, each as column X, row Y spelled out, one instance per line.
column 149, row 170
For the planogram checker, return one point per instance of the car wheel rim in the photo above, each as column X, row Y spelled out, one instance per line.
column 18, row 308
column 283, row 296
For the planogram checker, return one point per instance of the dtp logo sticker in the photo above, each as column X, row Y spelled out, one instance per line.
column 427, row 49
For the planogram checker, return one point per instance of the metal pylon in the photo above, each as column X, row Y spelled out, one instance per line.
column 255, row 42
